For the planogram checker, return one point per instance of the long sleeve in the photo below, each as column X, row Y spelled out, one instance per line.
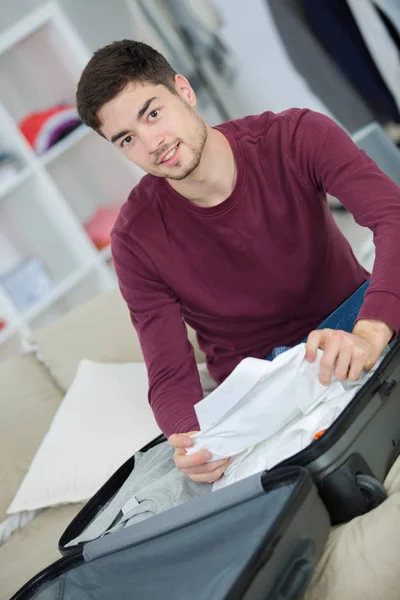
column 326, row 158
column 174, row 383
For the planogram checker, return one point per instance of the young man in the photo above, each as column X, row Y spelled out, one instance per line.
column 230, row 231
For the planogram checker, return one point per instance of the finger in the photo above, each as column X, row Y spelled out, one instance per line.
column 206, row 467
column 356, row 368
column 185, row 461
column 180, row 440
column 343, row 362
column 208, row 477
column 312, row 345
column 328, row 360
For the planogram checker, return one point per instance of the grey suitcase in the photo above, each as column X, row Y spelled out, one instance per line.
column 258, row 539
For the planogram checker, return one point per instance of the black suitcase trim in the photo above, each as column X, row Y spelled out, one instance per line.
column 47, row 575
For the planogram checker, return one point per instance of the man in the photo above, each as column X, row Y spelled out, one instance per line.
column 230, row 232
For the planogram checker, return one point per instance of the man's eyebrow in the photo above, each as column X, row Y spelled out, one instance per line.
column 145, row 107
column 118, row 135
column 140, row 114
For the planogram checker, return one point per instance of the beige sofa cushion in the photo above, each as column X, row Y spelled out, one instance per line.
column 33, row 548
column 28, row 402
column 361, row 559
column 99, row 330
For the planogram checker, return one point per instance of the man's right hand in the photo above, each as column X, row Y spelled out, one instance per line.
column 195, row 466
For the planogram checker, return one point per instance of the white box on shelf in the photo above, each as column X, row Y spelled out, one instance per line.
column 27, row 283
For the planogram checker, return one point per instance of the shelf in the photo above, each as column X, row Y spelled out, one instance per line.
column 39, row 67
column 58, row 292
column 85, row 287
column 31, row 219
column 105, row 253
column 27, row 26
column 7, row 333
column 13, row 183
column 11, row 344
column 64, row 145
column 91, row 174
column 48, row 261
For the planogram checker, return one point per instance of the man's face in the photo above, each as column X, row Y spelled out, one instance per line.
column 158, row 130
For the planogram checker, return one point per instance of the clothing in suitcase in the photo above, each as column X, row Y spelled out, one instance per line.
column 259, row 539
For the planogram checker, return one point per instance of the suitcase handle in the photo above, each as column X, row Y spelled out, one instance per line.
column 297, row 573
column 373, row 488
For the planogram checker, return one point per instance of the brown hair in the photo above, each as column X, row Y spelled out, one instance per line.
column 111, row 68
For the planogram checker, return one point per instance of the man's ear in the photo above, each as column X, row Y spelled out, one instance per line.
column 185, row 90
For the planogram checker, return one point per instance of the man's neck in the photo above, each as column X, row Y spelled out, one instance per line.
column 213, row 180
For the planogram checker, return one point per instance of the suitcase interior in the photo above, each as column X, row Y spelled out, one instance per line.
column 258, row 539
column 96, row 503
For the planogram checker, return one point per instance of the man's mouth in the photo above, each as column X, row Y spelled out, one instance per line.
column 170, row 154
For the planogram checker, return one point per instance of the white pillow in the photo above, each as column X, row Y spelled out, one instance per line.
column 104, row 418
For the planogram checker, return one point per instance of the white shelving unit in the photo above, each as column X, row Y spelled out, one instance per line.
column 44, row 206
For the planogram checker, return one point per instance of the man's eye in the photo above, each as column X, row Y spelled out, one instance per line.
column 126, row 141
column 154, row 114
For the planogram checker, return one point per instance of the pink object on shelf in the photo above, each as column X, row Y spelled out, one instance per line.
column 100, row 225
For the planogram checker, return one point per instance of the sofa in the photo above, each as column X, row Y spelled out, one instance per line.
column 360, row 559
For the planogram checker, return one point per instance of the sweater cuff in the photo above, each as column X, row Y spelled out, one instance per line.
column 382, row 306
column 184, row 425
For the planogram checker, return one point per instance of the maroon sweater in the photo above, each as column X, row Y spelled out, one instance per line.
column 261, row 269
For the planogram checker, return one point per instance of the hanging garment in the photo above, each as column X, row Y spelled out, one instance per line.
column 317, row 66
column 334, row 24
column 266, row 78
column 380, row 44
column 391, row 8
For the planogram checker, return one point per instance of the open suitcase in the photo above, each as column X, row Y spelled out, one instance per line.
column 258, row 539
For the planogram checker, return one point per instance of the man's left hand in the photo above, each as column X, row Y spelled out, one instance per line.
column 346, row 355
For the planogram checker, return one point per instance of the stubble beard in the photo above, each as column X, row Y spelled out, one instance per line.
column 196, row 143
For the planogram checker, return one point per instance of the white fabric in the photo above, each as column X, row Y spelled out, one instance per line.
column 266, row 411
column 18, row 521
column 380, row 44
column 285, row 443
column 104, row 418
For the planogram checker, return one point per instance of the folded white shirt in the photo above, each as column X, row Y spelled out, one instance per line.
column 266, row 411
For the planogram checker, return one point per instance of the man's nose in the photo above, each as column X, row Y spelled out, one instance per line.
column 154, row 142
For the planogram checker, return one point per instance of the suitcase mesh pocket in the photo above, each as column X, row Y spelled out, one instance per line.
column 200, row 561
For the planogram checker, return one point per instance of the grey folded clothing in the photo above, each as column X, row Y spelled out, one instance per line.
column 154, row 486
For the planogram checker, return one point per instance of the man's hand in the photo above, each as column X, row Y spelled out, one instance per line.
column 195, row 466
column 347, row 354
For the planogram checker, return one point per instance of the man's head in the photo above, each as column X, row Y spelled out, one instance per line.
column 129, row 94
